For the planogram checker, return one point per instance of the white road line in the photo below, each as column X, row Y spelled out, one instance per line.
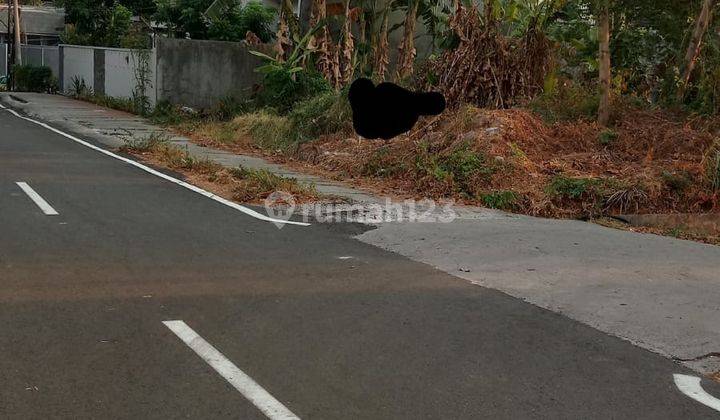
column 246, row 210
column 250, row 389
column 690, row 386
column 37, row 199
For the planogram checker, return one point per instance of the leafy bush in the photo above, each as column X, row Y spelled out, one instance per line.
column 572, row 188
column 235, row 23
column 228, row 107
column 326, row 113
column 283, row 87
column 565, row 102
column 461, row 169
column 503, row 200
column 607, row 137
column 34, row 79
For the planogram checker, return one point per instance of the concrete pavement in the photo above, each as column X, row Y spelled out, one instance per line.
column 376, row 335
column 660, row 293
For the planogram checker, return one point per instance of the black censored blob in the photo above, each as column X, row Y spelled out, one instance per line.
column 387, row 110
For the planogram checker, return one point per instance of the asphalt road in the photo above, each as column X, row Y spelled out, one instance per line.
column 83, row 297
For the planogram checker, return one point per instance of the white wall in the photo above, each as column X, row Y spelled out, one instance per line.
column 119, row 73
column 78, row 62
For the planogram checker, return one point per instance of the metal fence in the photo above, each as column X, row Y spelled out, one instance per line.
column 40, row 55
column 3, row 60
column 34, row 55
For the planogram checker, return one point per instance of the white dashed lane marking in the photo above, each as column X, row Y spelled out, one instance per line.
column 250, row 389
column 37, row 199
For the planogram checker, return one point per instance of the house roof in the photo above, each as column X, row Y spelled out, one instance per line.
column 36, row 20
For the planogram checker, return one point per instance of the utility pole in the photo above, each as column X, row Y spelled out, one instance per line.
column 18, row 46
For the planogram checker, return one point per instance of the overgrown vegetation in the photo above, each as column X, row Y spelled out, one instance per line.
column 241, row 184
column 622, row 95
column 34, row 79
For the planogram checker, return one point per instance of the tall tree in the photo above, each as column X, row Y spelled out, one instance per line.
column 605, row 69
column 693, row 51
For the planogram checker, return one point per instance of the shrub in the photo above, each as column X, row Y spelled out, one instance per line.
column 228, row 107
column 503, row 200
column 34, row 79
column 235, row 23
column 566, row 102
column 677, row 182
column 326, row 113
column 145, row 144
column 462, row 168
column 269, row 131
column 572, row 188
column 260, row 183
column 712, row 166
column 607, row 137
column 282, row 88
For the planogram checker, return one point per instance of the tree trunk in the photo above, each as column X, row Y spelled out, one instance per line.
column 320, row 42
column 605, row 70
column 348, row 47
column 693, row 51
column 18, row 45
column 406, row 54
column 382, row 48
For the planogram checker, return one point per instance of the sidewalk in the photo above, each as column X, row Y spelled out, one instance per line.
column 660, row 293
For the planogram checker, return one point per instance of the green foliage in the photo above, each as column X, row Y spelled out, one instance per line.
column 268, row 130
column 286, row 82
column 144, row 144
column 607, row 137
column 183, row 17
column 566, row 102
column 34, row 79
column 234, row 24
column 572, row 188
column 282, row 88
column 228, row 107
column 382, row 164
column 678, row 182
column 503, row 200
column 462, row 168
column 326, row 113
column 91, row 22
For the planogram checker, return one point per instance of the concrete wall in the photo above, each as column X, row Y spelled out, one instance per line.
column 108, row 71
column 77, row 62
column 120, row 66
column 199, row 73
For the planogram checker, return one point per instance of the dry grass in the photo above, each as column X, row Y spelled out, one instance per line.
column 654, row 163
column 715, row 376
column 239, row 184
